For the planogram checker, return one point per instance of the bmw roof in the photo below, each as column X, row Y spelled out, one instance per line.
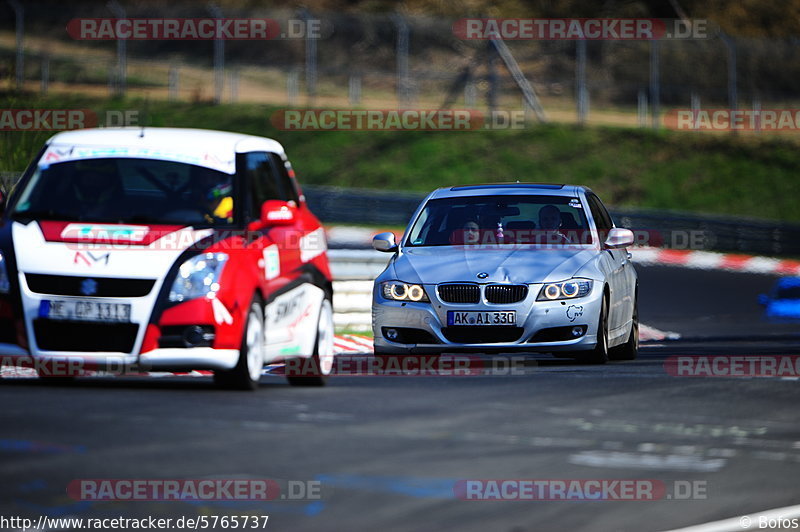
column 549, row 189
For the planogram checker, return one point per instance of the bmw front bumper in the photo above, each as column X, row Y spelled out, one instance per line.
column 541, row 326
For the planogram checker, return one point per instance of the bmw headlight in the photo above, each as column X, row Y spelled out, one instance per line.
column 397, row 291
column 4, row 284
column 198, row 277
column 565, row 290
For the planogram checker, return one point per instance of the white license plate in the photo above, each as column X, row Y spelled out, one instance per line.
column 84, row 310
column 494, row 317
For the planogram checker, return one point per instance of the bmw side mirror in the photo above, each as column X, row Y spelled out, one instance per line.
column 384, row 242
column 763, row 299
column 619, row 238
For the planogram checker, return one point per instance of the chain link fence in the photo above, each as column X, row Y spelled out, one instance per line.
column 390, row 60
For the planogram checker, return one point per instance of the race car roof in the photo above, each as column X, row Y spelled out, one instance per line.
column 215, row 149
column 160, row 137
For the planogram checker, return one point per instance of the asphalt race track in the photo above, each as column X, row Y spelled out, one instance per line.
column 388, row 452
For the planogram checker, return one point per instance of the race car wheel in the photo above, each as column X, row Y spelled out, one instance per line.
column 320, row 366
column 247, row 373
column 629, row 349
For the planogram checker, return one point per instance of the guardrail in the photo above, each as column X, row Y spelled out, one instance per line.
column 353, row 272
column 669, row 229
column 675, row 230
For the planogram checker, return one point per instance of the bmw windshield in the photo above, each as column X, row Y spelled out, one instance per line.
column 508, row 219
column 127, row 190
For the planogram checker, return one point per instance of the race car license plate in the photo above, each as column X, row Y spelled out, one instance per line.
column 84, row 310
column 495, row 317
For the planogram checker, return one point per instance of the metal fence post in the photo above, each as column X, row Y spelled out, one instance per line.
column 219, row 58
column 354, row 89
column 470, row 92
column 122, row 59
column 401, row 49
column 641, row 108
column 174, row 80
column 491, row 76
column 730, row 44
column 655, row 85
column 581, row 94
column 19, row 14
column 311, row 60
column 292, row 86
column 757, row 114
column 695, row 105
column 45, row 73
column 234, row 83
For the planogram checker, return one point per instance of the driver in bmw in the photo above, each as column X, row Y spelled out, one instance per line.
column 550, row 226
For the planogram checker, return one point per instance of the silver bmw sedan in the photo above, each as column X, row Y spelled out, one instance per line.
column 508, row 268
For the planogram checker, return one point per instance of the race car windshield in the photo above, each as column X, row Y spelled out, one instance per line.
column 501, row 220
column 127, row 190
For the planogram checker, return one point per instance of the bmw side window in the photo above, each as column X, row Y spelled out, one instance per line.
column 261, row 179
column 601, row 219
column 604, row 213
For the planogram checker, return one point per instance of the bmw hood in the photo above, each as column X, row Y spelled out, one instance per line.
column 433, row 265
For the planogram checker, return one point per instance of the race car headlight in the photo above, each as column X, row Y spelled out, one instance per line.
column 397, row 291
column 4, row 284
column 198, row 277
column 565, row 290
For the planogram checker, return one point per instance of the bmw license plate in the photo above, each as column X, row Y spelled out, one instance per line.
column 494, row 317
column 84, row 310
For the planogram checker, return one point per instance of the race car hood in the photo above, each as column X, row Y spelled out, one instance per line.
column 100, row 250
column 433, row 265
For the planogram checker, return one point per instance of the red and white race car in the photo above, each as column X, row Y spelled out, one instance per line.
column 164, row 249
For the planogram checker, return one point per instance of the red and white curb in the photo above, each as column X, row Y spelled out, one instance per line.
column 707, row 260
column 351, row 343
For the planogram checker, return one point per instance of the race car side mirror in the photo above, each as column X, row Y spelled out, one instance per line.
column 384, row 242
column 763, row 299
column 277, row 212
column 619, row 238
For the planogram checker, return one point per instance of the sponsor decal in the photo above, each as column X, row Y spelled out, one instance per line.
column 214, row 161
column 126, row 233
column 574, row 312
column 272, row 262
column 88, row 258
